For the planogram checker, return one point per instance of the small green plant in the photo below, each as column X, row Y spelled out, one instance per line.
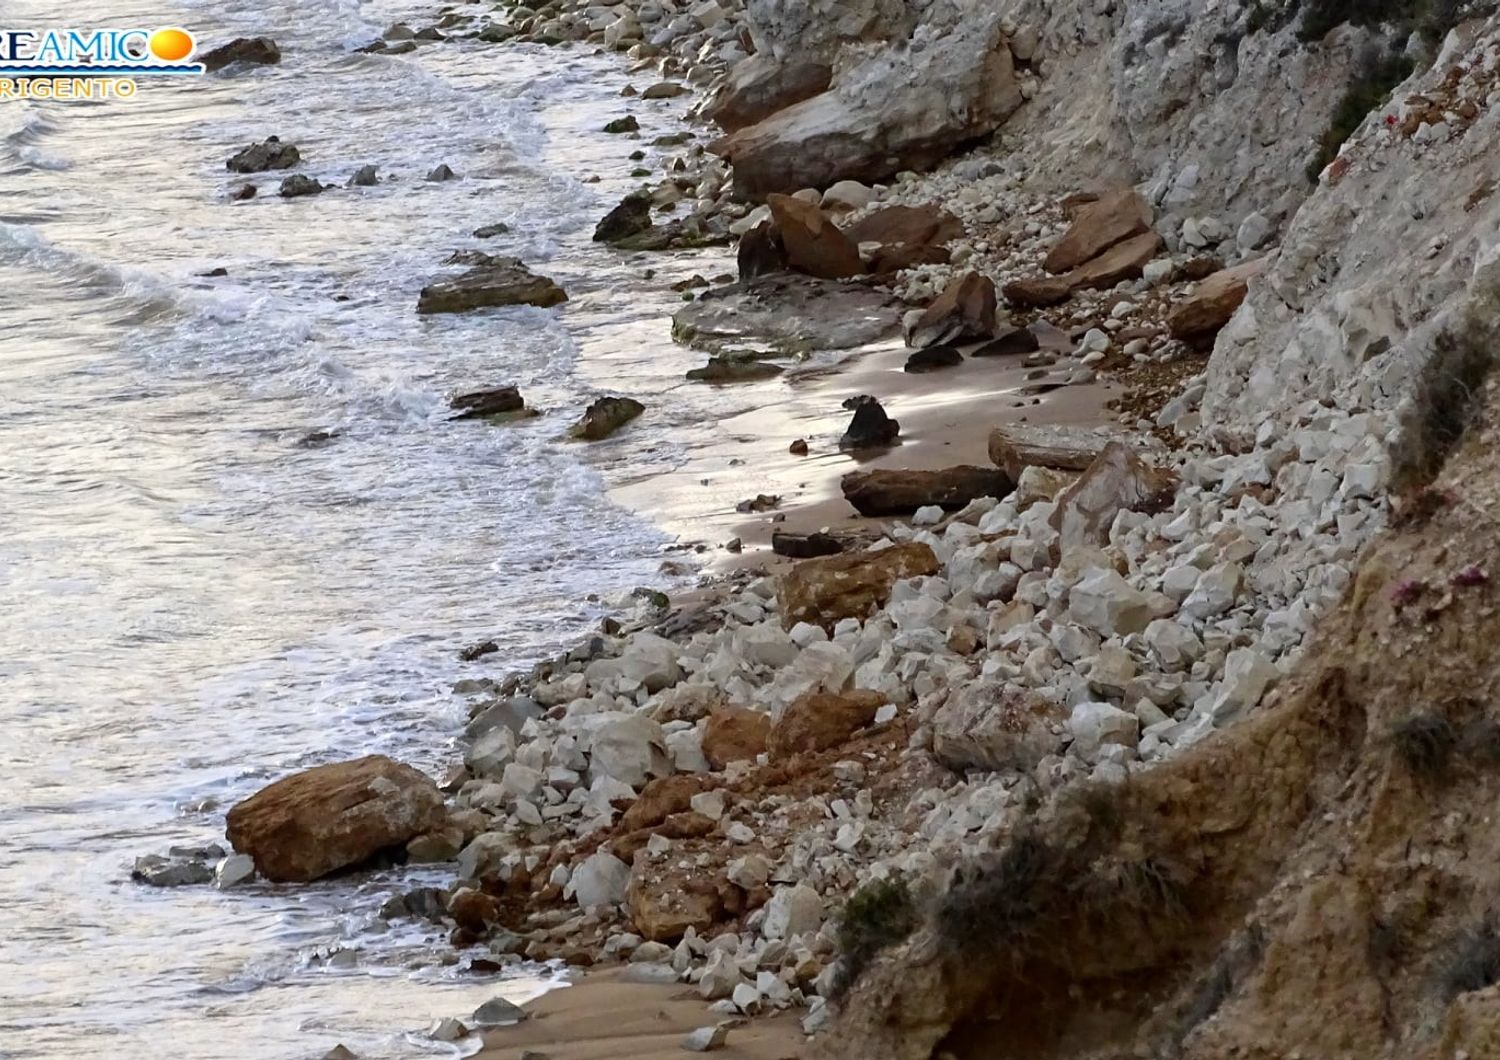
column 1379, row 74
column 1424, row 743
column 1475, row 961
column 996, row 904
column 1445, row 404
column 879, row 915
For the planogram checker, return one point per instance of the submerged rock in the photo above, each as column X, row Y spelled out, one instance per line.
column 271, row 153
column 442, row 174
column 256, row 51
column 504, row 282
column 727, row 369
column 310, row 824
column 498, row 401
column 604, row 417
column 630, row 218
column 365, row 177
column 298, row 186
column 154, row 870
column 627, row 124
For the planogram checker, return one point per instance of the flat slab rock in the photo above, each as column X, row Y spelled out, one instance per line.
column 892, row 492
column 503, row 282
column 789, row 312
column 1016, row 447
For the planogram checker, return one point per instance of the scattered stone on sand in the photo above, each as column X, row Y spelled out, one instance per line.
column 1037, row 292
column 707, row 1039
column 498, row 1012
column 271, row 153
column 964, row 312
column 1010, row 342
column 871, row 427
column 887, row 491
column 310, row 824
column 805, row 546
column 254, row 51
column 604, row 417
column 933, row 359
column 506, row 282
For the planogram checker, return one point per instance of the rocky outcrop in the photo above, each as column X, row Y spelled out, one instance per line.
column 253, row 51
column 333, row 817
column 604, row 417
column 892, row 492
column 823, row 591
column 905, row 108
column 760, row 86
column 503, row 282
column 271, row 153
column 822, row 720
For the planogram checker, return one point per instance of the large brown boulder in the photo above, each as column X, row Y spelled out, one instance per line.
column 900, row 492
column 898, row 225
column 903, row 108
column 1123, row 261
column 1198, row 319
column 1119, row 480
column 1037, row 292
column 333, row 817
column 1098, row 226
column 851, row 585
column 761, row 85
column 813, row 243
column 663, row 905
column 735, row 734
column 820, row 721
column 964, row 312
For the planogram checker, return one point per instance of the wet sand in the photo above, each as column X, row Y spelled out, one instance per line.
column 945, row 418
column 603, row 1017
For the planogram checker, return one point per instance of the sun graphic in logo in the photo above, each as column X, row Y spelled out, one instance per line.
column 172, row 45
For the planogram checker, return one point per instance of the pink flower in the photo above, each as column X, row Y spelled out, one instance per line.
column 1470, row 576
column 1406, row 592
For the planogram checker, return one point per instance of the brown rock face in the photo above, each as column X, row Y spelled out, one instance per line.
column 1097, row 227
column 1117, row 481
column 735, row 734
column 991, row 725
column 852, row 585
column 890, row 492
column 895, row 225
column 821, row 721
column 1213, row 302
column 331, row 817
column 1123, row 261
column 1018, row 446
column 663, row 797
column 759, row 86
column 1037, row 292
column 814, row 245
column 964, row 312
column 663, row 908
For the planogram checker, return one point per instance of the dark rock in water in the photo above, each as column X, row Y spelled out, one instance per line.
column 933, row 358
column 474, row 257
column 156, row 871
column 429, row 33
column 627, row 124
column 506, row 282
column 871, row 427
column 405, row 47
column 298, row 186
column 892, row 492
column 761, row 252
column 270, row 154
column 213, row 273
column 340, row 1052
column 442, row 173
column 630, row 218
column 676, row 139
column 799, row 447
column 1014, row 341
column 498, row 1012
column 493, row 402
column 734, row 370
column 499, row 228
column 241, row 192
column 679, row 235
column 763, row 502
column 495, row 33
column 261, row 51
column 364, row 177
column 207, row 852
column 805, row 546
column 316, row 439
column 604, row 417
column 422, row 903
